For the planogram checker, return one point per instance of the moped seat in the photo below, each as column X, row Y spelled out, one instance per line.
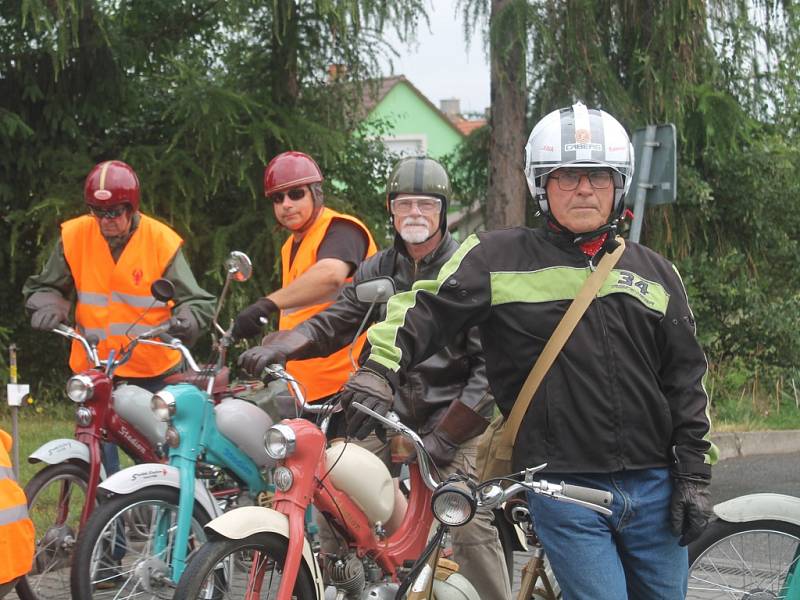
column 200, row 380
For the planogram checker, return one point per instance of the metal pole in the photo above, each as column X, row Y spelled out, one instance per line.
column 644, row 183
column 12, row 351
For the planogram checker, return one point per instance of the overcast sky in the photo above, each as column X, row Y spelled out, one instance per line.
column 439, row 63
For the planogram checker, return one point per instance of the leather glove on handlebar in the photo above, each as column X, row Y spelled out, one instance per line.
column 373, row 391
column 184, row 327
column 49, row 316
column 248, row 322
column 690, row 508
column 459, row 424
column 277, row 347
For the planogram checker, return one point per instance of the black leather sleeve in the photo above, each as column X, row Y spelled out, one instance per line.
column 336, row 326
column 476, row 394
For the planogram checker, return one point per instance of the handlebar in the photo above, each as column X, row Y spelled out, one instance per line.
column 490, row 494
column 160, row 331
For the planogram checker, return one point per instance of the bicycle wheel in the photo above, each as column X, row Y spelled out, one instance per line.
column 126, row 548
column 56, row 496
column 748, row 561
column 250, row 568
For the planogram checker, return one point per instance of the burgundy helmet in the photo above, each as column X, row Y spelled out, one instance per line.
column 290, row 170
column 111, row 183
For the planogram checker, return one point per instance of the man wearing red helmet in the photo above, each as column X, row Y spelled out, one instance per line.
column 108, row 259
column 319, row 257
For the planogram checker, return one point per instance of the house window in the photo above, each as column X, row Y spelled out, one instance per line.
column 406, row 145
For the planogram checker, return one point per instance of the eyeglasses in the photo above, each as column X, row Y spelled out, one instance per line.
column 426, row 205
column 108, row 213
column 569, row 180
column 293, row 194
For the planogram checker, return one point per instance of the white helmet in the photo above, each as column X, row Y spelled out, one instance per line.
column 577, row 136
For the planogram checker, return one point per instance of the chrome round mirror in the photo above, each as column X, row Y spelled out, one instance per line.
column 239, row 266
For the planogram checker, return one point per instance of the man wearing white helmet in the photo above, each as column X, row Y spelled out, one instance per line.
column 623, row 406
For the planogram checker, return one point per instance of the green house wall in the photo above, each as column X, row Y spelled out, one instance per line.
column 408, row 114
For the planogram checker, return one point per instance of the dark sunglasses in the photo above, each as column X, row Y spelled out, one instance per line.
column 294, row 194
column 108, row 213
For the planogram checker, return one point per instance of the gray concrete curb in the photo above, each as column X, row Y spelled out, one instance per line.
column 733, row 444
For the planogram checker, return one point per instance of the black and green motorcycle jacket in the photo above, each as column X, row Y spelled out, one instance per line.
column 457, row 371
column 625, row 392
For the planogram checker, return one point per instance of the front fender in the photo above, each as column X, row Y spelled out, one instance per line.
column 756, row 507
column 63, row 450
column 145, row 475
column 249, row 520
column 455, row 587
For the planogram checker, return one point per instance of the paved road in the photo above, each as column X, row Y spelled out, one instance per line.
column 778, row 473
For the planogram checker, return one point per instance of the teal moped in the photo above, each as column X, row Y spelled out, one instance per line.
column 151, row 516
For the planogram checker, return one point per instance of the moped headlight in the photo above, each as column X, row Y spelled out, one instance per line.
column 453, row 504
column 80, row 388
column 279, row 441
column 163, row 405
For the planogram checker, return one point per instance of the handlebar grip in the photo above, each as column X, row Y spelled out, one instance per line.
column 165, row 337
column 578, row 492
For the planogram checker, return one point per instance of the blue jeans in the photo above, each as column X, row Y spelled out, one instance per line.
column 630, row 555
column 109, row 456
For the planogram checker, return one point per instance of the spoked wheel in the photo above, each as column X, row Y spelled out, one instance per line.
column 757, row 560
column 56, row 496
column 250, row 568
column 126, row 548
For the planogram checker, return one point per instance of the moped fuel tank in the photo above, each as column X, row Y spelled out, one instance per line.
column 245, row 425
column 362, row 476
column 132, row 404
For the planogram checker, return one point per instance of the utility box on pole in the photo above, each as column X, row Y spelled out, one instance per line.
column 655, row 174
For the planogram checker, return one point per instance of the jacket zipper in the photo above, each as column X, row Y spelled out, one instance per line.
column 612, row 376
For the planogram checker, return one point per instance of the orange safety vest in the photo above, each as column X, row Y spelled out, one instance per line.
column 113, row 296
column 16, row 529
column 320, row 377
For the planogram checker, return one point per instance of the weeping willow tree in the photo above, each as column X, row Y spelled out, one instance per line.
column 726, row 73
column 197, row 95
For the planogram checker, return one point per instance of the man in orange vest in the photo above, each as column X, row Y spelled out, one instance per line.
column 107, row 261
column 16, row 529
column 320, row 256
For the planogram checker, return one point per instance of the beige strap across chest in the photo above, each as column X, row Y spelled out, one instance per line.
column 560, row 336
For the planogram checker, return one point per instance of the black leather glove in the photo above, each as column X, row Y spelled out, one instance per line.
column 277, row 347
column 248, row 323
column 690, row 508
column 373, row 391
column 458, row 424
column 440, row 447
column 184, row 327
column 50, row 316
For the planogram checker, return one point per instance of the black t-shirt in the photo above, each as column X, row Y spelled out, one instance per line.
column 344, row 240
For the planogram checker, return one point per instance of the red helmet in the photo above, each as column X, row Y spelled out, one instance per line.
column 290, row 170
column 110, row 183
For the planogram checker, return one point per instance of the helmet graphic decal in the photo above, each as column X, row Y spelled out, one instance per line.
column 102, row 195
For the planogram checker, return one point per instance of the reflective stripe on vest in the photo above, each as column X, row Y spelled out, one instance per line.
column 16, row 529
column 113, row 296
column 320, row 377
column 13, row 514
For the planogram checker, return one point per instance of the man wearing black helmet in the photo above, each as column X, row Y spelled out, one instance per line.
column 622, row 408
column 445, row 398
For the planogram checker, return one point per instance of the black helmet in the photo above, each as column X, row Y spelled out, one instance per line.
column 420, row 175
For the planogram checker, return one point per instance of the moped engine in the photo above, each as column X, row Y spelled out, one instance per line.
column 347, row 575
